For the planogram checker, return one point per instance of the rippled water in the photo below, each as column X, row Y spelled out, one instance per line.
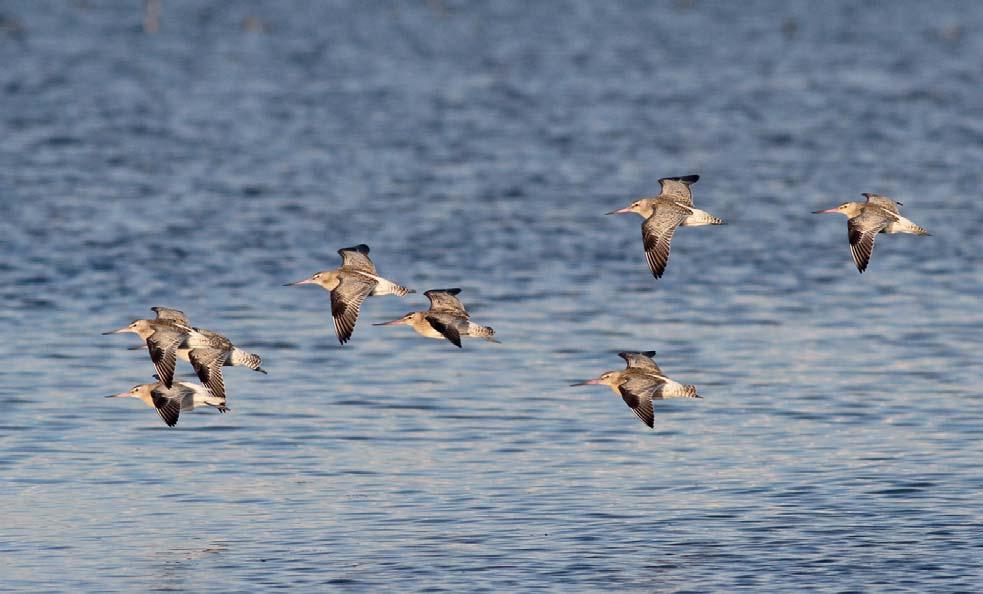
column 477, row 145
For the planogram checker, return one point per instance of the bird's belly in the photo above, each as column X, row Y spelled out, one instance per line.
column 428, row 331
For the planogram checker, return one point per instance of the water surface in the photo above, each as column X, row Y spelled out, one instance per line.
column 478, row 145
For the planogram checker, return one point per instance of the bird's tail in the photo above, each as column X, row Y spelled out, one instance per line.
column 700, row 218
column 387, row 287
column 479, row 331
column 243, row 359
column 903, row 225
column 676, row 390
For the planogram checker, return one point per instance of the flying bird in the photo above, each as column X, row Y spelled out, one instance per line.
column 170, row 402
column 662, row 214
column 641, row 382
column 879, row 214
column 162, row 337
column 349, row 285
column 446, row 318
column 169, row 337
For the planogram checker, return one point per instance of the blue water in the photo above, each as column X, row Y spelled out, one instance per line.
column 838, row 446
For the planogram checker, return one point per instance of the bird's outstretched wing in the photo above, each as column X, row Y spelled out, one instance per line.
column 446, row 324
column 163, row 345
column 357, row 258
column 677, row 188
column 883, row 202
column 167, row 407
column 861, row 230
column 657, row 231
column 171, row 315
column 640, row 404
column 641, row 360
column 445, row 301
column 346, row 301
column 208, row 366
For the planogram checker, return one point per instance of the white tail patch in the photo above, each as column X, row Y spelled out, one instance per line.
column 387, row 287
column 479, row 331
column 700, row 218
column 673, row 389
column 903, row 225
column 241, row 358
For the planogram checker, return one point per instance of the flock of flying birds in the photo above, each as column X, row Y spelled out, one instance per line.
column 170, row 335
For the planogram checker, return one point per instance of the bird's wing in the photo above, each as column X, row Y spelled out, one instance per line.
column 169, row 408
column 862, row 229
column 346, row 300
column 202, row 338
column 677, row 188
column 642, row 360
column 357, row 258
column 171, row 315
column 883, row 202
column 657, row 233
column 208, row 366
column 446, row 324
column 640, row 404
column 163, row 345
column 444, row 301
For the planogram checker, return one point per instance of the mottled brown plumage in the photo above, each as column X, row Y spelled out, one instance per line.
column 447, row 318
column 662, row 214
column 169, row 402
column 349, row 285
column 879, row 214
column 641, row 382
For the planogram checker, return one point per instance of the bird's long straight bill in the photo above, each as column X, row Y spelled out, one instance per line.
column 828, row 210
column 120, row 331
column 390, row 323
column 120, row 395
column 306, row 281
column 590, row 382
column 624, row 210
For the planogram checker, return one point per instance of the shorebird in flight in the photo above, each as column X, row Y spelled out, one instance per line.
column 446, row 318
column 662, row 214
column 349, row 285
column 170, row 402
column 865, row 220
column 641, row 382
column 169, row 337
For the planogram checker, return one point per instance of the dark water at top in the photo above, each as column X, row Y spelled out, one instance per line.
column 477, row 145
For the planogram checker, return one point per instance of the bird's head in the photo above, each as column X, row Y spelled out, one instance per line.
column 327, row 279
column 848, row 209
column 611, row 378
column 139, row 327
column 408, row 320
column 642, row 207
column 141, row 391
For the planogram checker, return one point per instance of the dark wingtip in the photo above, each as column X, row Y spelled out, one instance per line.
column 686, row 179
